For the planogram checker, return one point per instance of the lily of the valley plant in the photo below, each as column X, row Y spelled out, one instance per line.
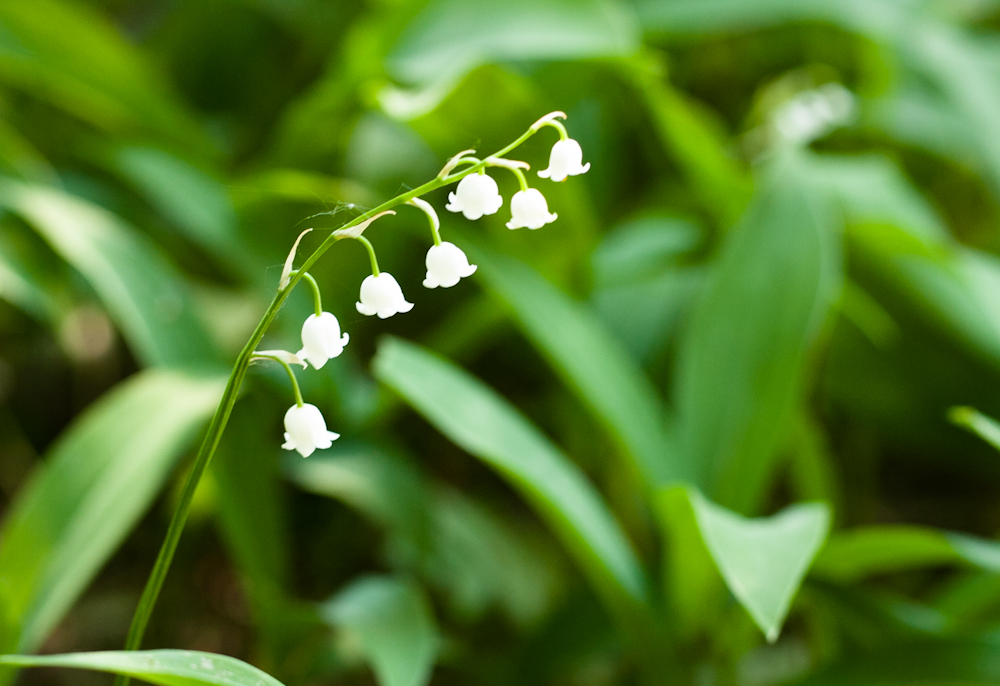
column 477, row 194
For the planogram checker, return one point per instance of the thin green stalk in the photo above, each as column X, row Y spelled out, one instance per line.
column 154, row 584
column 291, row 376
column 371, row 254
column 317, row 296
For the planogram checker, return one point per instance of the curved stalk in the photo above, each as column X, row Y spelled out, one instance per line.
column 154, row 584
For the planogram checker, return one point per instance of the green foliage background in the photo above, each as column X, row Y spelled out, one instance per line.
column 695, row 431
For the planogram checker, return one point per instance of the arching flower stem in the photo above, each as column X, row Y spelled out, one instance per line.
column 432, row 217
column 219, row 420
column 317, row 296
column 371, row 254
column 291, row 374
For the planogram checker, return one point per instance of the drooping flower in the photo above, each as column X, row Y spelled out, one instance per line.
column 446, row 264
column 529, row 209
column 321, row 339
column 476, row 195
column 382, row 295
column 305, row 430
column 566, row 159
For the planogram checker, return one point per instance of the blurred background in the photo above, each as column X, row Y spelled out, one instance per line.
column 775, row 281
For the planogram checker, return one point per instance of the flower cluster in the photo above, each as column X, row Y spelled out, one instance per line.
column 476, row 195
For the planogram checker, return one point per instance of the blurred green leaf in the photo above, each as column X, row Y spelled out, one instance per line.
column 164, row 667
column 763, row 560
column 145, row 294
column 590, row 360
column 482, row 423
column 985, row 427
column 97, row 481
column 857, row 553
column 476, row 558
column 449, row 38
column 743, row 358
column 952, row 661
column 196, row 203
column 19, row 287
column 694, row 140
column 641, row 248
column 391, row 621
column 69, row 54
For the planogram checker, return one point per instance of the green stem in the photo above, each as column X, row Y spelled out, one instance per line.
column 291, row 374
column 221, row 417
column 371, row 254
column 317, row 296
column 520, row 177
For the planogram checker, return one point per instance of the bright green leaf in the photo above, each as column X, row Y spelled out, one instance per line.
column 449, row 38
column 592, row 362
column 95, row 484
column 763, row 560
column 743, row 358
column 145, row 294
column 985, row 427
column 484, row 424
column 163, row 667
column 392, row 623
column 196, row 203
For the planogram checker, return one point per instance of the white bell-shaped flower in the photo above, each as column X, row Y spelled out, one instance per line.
column 566, row 159
column 476, row 195
column 529, row 209
column 446, row 264
column 321, row 339
column 382, row 295
column 305, row 430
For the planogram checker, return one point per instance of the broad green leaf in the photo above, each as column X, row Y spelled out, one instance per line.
column 692, row 582
column 145, row 294
column 69, row 54
column 712, row 16
column 392, row 624
column 488, row 427
column 764, row 559
column 196, row 203
column 474, row 557
column 743, row 358
column 858, row 553
column 449, row 38
column 941, row 662
column 691, row 137
column 985, row 427
column 19, row 287
column 94, row 485
column 590, row 360
column 163, row 667
column 642, row 248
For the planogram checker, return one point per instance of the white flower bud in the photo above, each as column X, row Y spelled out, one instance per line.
column 446, row 264
column 321, row 339
column 476, row 195
column 305, row 430
column 529, row 209
column 382, row 295
column 566, row 159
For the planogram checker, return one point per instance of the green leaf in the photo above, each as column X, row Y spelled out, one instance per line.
column 743, row 358
column 449, row 38
column 475, row 557
column 593, row 364
column 69, row 54
column 164, row 667
column 985, row 427
column 392, row 623
column 763, row 560
column 145, row 294
column 95, row 484
column 196, row 203
column 927, row 662
column 858, row 553
column 488, row 427
column 691, row 136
